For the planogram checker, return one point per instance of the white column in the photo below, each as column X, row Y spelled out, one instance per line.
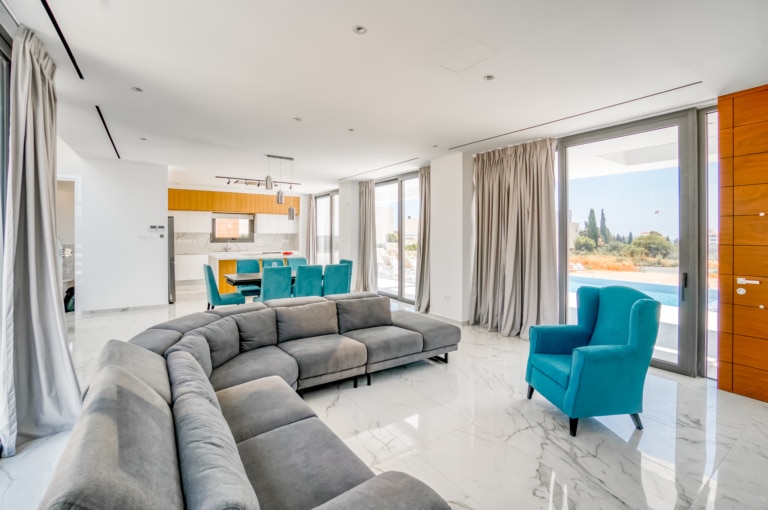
column 349, row 220
column 451, row 236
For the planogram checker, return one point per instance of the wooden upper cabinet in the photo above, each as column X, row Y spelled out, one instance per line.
column 220, row 201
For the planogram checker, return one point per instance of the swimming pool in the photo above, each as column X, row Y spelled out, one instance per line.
column 665, row 294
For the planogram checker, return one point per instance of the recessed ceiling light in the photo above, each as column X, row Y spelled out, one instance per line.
column 434, row 146
column 297, row 119
column 359, row 29
column 351, row 129
column 142, row 139
column 137, row 89
column 489, row 77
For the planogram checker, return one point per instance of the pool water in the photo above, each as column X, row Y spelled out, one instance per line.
column 666, row 294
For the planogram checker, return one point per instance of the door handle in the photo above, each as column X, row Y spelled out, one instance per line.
column 683, row 286
column 744, row 281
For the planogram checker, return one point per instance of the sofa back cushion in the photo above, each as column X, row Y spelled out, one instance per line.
column 211, row 470
column 306, row 320
column 187, row 376
column 363, row 313
column 197, row 346
column 121, row 452
column 257, row 329
column 139, row 362
column 223, row 340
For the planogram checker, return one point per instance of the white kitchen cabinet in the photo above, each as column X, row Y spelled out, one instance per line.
column 190, row 267
column 276, row 224
column 199, row 222
column 191, row 221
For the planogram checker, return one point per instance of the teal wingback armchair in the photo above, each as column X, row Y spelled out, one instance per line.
column 598, row 366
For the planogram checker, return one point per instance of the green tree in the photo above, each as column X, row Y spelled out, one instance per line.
column 607, row 238
column 591, row 230
column 584, row 244
column 652, row 245
column 629, row 238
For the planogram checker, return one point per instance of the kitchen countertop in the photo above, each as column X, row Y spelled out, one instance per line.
column 236, row 255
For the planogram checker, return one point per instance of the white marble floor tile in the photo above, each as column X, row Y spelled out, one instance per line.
column 467, row 430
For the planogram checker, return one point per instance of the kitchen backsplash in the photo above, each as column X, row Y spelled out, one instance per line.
column 187, row 243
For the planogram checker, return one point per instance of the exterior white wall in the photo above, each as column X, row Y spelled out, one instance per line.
column 118, row 265
column 451, row 236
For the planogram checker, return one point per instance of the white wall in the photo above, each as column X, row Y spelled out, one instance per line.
column 349, row 224
column 117, row 265
column 451, row 236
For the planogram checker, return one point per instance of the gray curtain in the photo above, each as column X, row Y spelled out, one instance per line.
column 421, row 304
column 39, row 393
column 514, row 277
column 367, row 269
column 311, row 230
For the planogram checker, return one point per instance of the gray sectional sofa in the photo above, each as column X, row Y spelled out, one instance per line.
column 201, row 412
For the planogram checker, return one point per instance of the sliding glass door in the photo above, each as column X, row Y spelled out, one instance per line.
column 327, row 240
column 397, row 227
column 630, row 214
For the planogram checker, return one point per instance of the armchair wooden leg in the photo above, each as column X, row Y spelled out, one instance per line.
column 574, row 423
column 530, row 391
column 637, row 422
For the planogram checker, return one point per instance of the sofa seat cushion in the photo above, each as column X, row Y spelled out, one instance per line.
column 257, row 329
column 363, row 313
column 555, row 366
column 187, row 376
column 255, row 364
column 211, row 470
column 387, row 342
column 223, row 340
column 121, row 452
column 436, row 333
column 300, row 466
column 304, row 321
column 392, row 490
column 156, row 340
column 326, row 354
column 139, row 362
column 259, row 406
column 197, row 346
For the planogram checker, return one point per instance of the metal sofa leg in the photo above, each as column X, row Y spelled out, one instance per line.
column 637, row 422
column 369, row 378
column 446, row 358
column 354, row 382
column 574, row 422
column 530, row 391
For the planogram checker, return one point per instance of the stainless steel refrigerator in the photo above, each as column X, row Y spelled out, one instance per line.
column 171, row 262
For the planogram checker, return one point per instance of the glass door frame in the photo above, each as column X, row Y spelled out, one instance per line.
column 332, row 212
column 400, row 296
column 691, row 329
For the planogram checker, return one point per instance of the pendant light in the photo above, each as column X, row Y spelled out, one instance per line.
column 291, row 209
column 268, row 180
column 280, row 194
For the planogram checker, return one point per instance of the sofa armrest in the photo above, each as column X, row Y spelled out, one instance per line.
column 558, row 339
column 391, row 490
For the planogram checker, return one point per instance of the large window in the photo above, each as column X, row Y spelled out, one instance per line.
column 327, row 240
column 397, row 229
column 236, row 228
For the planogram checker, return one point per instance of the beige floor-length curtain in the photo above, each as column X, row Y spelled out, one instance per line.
column 311, row 230
column 514, row 278
column 39, row 392
column 421, row 304
column 367, row 269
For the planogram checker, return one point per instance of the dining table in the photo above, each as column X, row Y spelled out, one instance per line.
column 250, row 278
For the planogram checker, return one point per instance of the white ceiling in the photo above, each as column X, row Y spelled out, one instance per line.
column 223, row 80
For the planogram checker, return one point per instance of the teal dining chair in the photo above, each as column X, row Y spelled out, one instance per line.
column 295, row 262
column 272, row 263
column 214, row 298
column 349, row 263
column 336, row 279
column 309, row 281
column 248, row 266
column 598, row 366
column 275, row 283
